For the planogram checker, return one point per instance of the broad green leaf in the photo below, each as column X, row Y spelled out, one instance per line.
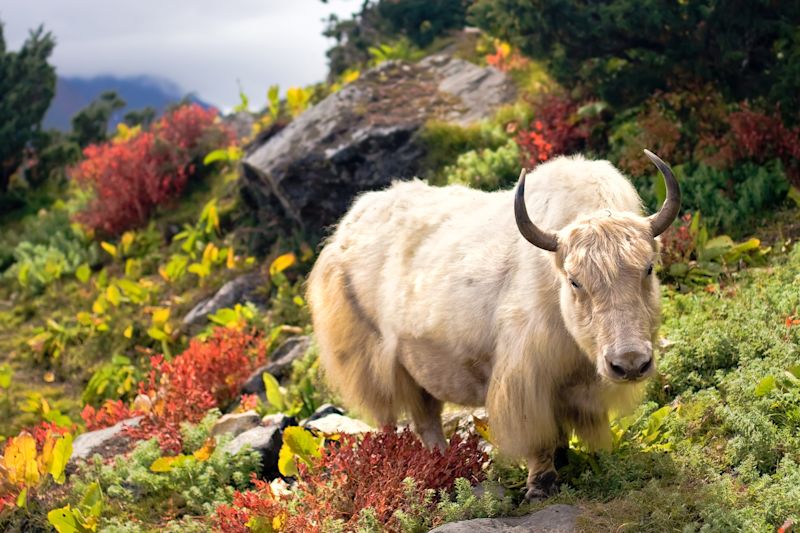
column 765, row 386
column 83, row 273
column 91, row 506
column 61, row 454
column 135, row 292
column 63, row 520
column 158, row 334
column 273, row 390
column 22, row 498
column 5, row 376
column 300, row 444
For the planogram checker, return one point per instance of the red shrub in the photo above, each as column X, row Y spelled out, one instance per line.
column 130, row 178
column 208, row 374
column 677, row 242
column 110, row 413
column 354, row 475
column 556, row 130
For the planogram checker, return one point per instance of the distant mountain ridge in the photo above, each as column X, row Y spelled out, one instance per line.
column 73, row 93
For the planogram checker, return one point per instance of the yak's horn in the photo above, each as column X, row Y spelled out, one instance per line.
column 660, row 221
column 542, row 239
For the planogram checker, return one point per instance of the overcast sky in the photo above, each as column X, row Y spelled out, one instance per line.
column 202, row 45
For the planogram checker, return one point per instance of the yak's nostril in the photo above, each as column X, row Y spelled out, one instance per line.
column 645, row 366
column 616, row 369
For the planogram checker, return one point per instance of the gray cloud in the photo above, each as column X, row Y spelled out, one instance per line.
column 202, row 45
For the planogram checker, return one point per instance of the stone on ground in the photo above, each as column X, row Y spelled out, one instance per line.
column 553, row 519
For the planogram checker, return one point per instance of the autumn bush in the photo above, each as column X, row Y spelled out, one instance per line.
column 556, row 130
column 354, row 479
column 207, row 374
column 130, row 177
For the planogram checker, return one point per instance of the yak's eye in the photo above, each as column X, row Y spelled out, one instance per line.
column 650, row 269
column 575, row 283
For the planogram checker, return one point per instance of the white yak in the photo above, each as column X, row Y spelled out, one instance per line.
column 425, row 295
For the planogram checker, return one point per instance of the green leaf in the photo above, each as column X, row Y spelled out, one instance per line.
column 83, row 273
column 273, row 389
column 5, row 376
column 92, row 502
column 64, row 520
column 300, row 444
column 61, row 454
column 166, row 464
column 765, row 386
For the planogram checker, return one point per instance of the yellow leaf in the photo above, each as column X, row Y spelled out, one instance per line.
column 128, row 333
column 127, row 240
column 482, row 427
column 205, row 452
column 165, row 464
column 99, row 305
column 160, row 315
column 110, row 248
column 49, row 377
column 211, row 253
column 230, row 258
column 45, row 458
column 20, row 460
column 113, row 295
column 281, row 263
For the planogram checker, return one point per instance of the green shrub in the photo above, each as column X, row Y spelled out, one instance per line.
column 486, row 169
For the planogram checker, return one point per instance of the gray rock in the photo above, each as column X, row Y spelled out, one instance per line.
column 280, row 420
column 323, row 410
column 235, row 423
column 87, row 444
column 553, row 519
column 363, row 137
column 240, row 290
column 241, row 123
column 280, row 362
column 334, row 423
column 266, row 441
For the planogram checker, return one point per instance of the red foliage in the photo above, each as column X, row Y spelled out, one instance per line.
column 130, row 178
column 208, row 374
column 356, row 475
column 555, row 131
column 760, row 137
column 110, row 413
column 677, row 242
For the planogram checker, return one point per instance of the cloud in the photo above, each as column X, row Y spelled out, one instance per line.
column 204, row 46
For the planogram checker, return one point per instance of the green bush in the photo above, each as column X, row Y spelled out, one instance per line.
column 486, row 169
column 729, row 200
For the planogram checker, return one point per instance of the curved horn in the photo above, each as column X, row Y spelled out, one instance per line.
column 537, row 237
column 660, row 221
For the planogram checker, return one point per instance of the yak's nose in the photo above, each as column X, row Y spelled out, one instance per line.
column 629, row 365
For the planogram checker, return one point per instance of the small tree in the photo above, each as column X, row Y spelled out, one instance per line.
column 90, row 124
column 27, row 85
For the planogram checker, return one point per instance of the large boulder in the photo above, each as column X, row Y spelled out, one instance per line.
column 553, row 519
column 364, row 136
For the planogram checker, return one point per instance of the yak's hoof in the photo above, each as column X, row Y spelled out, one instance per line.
column 544, row 485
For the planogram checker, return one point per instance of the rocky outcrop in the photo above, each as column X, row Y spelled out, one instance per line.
column 266, row 441
column 237, row 291
column 102, row 441
column 552, row 519
column 236, row 423
column 280, row 363
column 363, row 137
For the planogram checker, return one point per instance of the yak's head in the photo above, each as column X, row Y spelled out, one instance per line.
column 609, row 292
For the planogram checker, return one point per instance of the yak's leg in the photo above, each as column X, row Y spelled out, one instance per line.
column 427, row 416
column 542, row 475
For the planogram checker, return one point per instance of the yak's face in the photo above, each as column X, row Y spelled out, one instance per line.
column 609, row 292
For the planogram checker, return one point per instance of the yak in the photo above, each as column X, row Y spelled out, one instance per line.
column 545, row 313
